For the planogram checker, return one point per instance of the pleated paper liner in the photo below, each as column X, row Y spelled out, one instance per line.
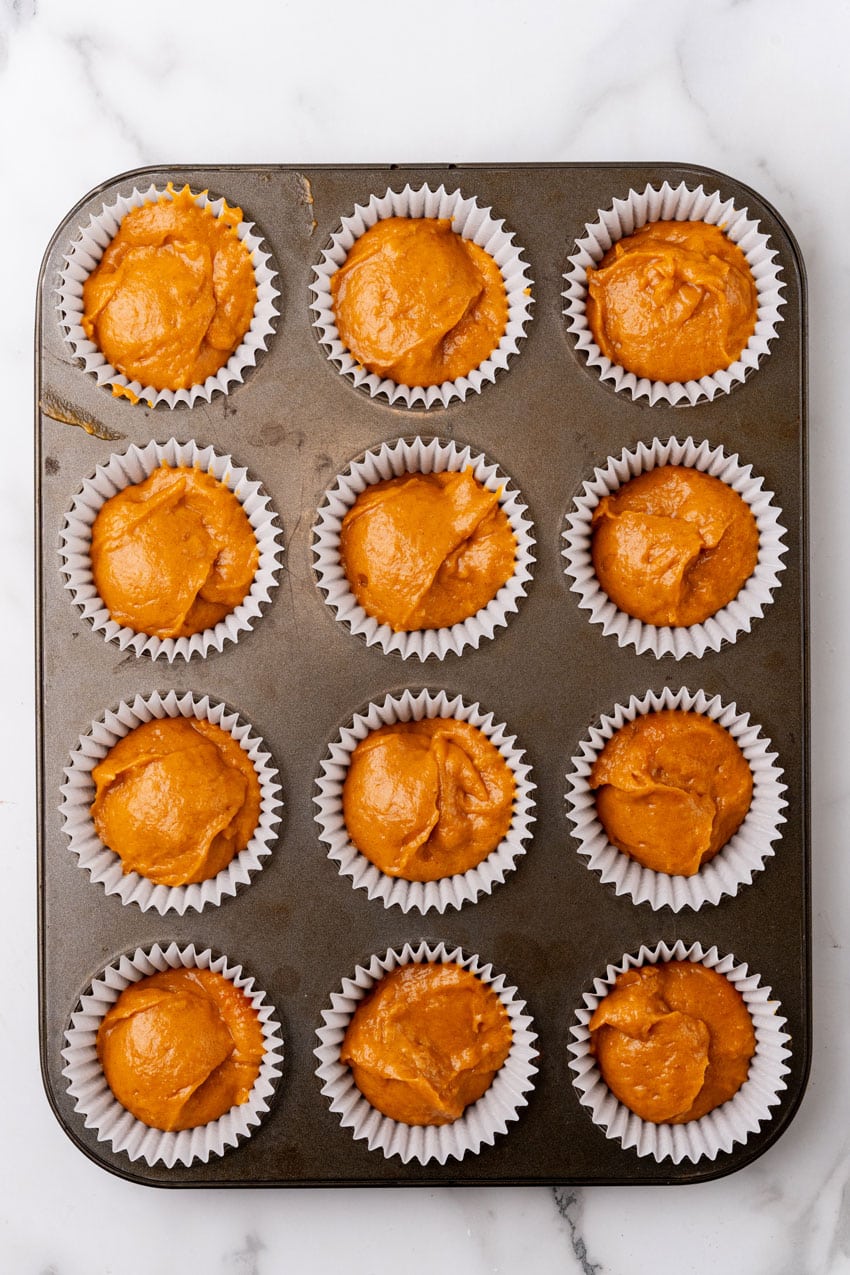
column 471, row 222
column 679, row 203
column 730, row 621
column 447, row 892
column 104, row 865
column 101, row 1111
column 132, row 467
column 481, row 1122
column 82, row 257
column 392, row 460
column 721, row 1129
column 733, row 867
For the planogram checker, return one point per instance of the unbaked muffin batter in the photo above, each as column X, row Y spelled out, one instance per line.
column 176, row 799
column 671, row 789
column 180, row 1048
column 426, row 551
column 425, row 800
column 673, row 545
column 173, row 294
column 173, row 555
column 673, row 1041
column 417, row 303
column 427, row 1042
column 675, row 301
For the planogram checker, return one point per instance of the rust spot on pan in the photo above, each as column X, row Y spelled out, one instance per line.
column 306, row 199
column 59, row 409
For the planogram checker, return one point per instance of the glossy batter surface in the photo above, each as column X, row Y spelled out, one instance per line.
column 671, row 789
column 424, row 800
column 426, row 551
column 673, row 1041
column 173, row 294
column 673, row 545
column 675, row 301
column 176, row 800
column 180, row 1048
column 427, row 1042
column 173, row 555
column 417, row 303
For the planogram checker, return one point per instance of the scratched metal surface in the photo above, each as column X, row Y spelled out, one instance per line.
column 300, row 927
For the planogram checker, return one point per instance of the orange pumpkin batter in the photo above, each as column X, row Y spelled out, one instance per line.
column 426, row 551
column 675, row 301
column 671, row 789
column 173, row 555
column 673, row 1041
column 427, row 1042
column 673, row 545
column 424, row 800
column 181, row 1048
column 176, row 800
column 173, row 294
column 417, row 303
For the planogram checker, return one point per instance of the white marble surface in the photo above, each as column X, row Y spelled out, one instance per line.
column 757, row 88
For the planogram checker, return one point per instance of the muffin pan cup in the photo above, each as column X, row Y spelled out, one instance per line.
column 470, row 221
column 735, row 864
column 445, row 892
column 94, row 1100
column 481, row 1122
column 732, row 1122
column 104, row 865
column 134, row 466
column 682, row 203
column 297, row 675
column 85, row 251
column 754, row 596
column 419, row 456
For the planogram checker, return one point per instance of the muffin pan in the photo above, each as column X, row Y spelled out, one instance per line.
column 299, row 675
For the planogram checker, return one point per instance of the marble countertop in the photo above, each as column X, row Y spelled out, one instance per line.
column 755, row 89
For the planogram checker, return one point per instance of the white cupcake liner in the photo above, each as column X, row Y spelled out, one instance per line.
column 134, row 466
column 93, row 1098
column 722, row 1128
column 675, row 204
column 738, row 615
column 471, row 222
column 732, row 867
column 392, row 460
column 480, row 1122
column 85, row 253
column 104, row 866
column 447, row 892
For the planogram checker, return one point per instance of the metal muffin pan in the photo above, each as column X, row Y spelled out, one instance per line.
column 300, row 927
